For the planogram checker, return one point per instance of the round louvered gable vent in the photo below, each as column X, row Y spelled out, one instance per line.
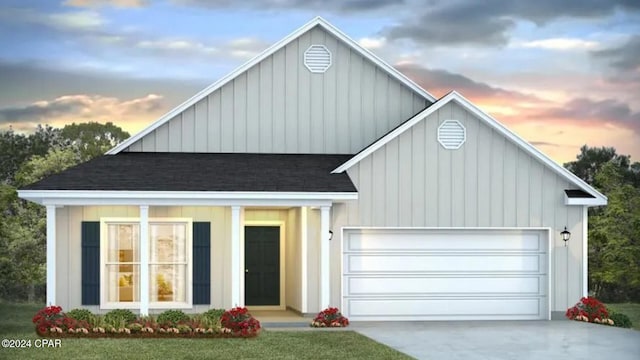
column 317, row 58
column 451, row 134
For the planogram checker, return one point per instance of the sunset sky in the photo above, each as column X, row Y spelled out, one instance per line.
column 560, row 74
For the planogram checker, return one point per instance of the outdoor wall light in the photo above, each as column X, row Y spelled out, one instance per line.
column 330, row 235
column 566, row 235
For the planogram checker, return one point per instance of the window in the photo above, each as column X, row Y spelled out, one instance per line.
column 168, row 265
column 123, row 263
column 168, row 262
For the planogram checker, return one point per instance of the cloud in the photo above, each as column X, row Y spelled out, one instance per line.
column 625, row 57
column 77, row 20
column 240, row 48
column 101, row 3
column 339, row 5
column 559, row 44
column 595, row 112
column 372, row 43
column 441, row 82
column 81, row 107
column 489, row 22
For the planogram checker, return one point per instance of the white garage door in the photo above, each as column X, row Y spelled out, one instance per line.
column 420, row 274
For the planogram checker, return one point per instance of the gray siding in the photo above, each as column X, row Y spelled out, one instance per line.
column 488, row 182
column 278, row 106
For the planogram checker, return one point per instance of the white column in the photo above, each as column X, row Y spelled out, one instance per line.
column 324, row 257
column 51, row 255
column 585, row 251
column 144, row 260
column 235, row 256
column 303, row 259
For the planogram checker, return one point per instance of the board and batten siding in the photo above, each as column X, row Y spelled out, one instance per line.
column 413, row 181
column 279, row 106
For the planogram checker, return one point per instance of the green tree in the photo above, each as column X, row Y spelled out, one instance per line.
column 591, row 159
column 16, row 148
column 93, row 139
column 23, row 231
column 614, row 238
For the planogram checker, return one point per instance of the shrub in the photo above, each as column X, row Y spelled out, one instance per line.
column 119, row 317
column 239, row 322
column 50, row 317
column 620, row 320
column 213, row 315
column 589, row 309
column 330, row 317
column 81, row 314
column 172, row 317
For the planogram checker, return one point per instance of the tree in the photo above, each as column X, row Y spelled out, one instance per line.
column 591, row 159
column 614, row 239
column 16, row 148
column 93, row 139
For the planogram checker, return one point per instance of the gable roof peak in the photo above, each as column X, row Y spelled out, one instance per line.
column 317, row 21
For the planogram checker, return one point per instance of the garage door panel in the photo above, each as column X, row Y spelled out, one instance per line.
column 442, row 241
column 462, row 286
column 362, row 264
column 445, row 274
column 445, row 309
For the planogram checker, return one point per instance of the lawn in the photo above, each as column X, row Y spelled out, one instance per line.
column 15, row 323
column 629, row 309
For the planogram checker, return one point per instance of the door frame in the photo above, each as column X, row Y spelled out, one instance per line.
column 281, row 225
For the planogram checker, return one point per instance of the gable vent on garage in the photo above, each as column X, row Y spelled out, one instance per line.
column 317, row 58
column 451, row 134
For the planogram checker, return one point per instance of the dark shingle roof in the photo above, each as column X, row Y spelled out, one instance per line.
column 204, row 172
column 578, row 194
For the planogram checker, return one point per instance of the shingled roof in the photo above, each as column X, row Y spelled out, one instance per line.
column 130, row 171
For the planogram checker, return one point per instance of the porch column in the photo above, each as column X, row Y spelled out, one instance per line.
column 324, row 256
column 51, row 255
column 303, row 260
column 144, row 260
column 235, row 257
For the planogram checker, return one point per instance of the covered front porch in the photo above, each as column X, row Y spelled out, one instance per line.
column 300, row 279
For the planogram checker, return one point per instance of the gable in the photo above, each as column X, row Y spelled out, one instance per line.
column 454, row 106
column 489, row 181
column 277, row 105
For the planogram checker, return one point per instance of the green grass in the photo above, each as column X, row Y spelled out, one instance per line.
column 632, row 310
column 15, row 323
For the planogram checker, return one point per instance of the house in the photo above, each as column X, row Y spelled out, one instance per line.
column 314, row 175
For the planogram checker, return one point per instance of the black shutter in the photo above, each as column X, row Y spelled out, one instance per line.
column 201, row 263
column 90, row 263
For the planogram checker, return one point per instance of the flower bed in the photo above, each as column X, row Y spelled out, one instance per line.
column 589, row 309
column 330, row 317
column 235, row 323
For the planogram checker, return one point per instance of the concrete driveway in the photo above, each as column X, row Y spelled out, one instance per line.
column 562, row 340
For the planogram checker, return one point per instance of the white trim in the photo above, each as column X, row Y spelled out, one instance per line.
column 144, row 260
column 585, row 251
column 236, row 298
column 583, row 201
column 51, row 255
column 318, row 21
column 175, row 198
column 282, row 301
column 145, row 304
column 304, row 238
column 462, row 101
column 550, row 251
column 325, row 271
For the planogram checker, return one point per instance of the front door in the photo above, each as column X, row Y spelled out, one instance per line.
column 262, row 265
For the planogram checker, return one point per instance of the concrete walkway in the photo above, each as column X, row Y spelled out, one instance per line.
column 548, row 340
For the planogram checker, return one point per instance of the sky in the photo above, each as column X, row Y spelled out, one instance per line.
column 561, row 74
